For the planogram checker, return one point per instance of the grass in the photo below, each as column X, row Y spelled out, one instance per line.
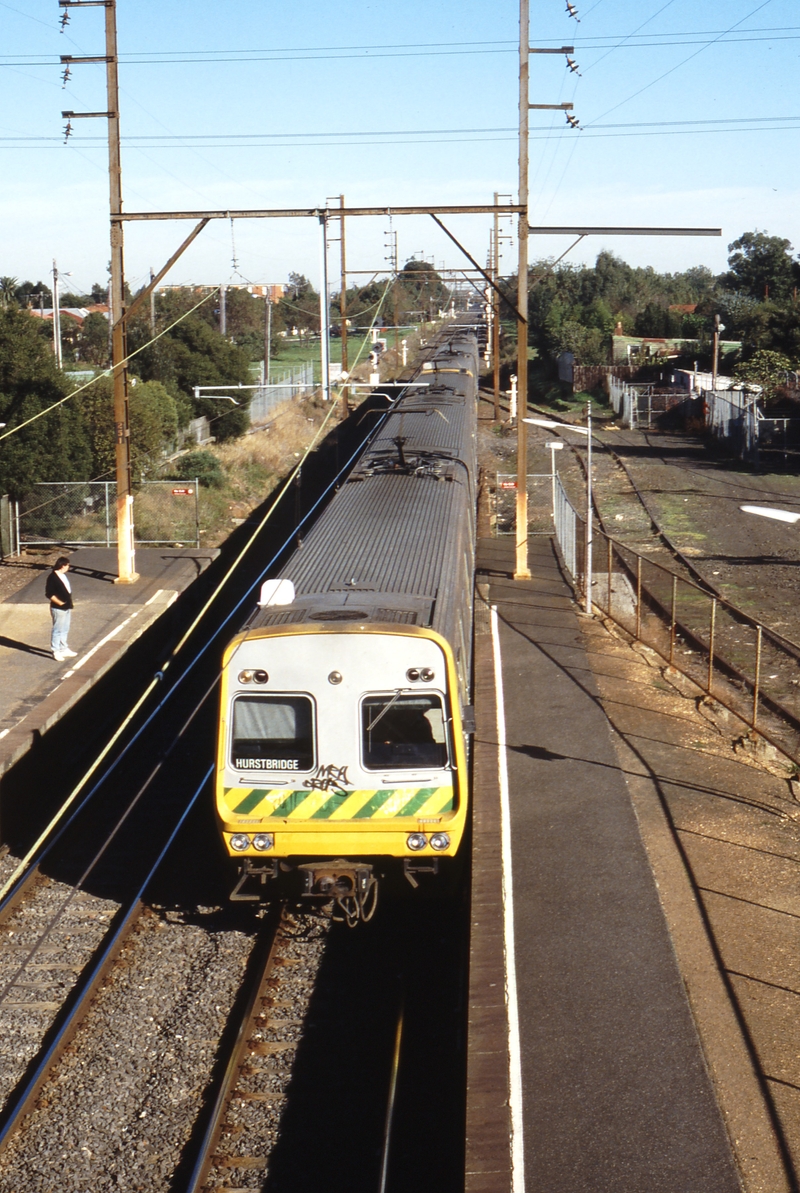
column 253, row 465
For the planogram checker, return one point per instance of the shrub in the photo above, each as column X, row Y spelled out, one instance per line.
column 203, row 465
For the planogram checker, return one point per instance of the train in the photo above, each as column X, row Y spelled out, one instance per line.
column 345, row 702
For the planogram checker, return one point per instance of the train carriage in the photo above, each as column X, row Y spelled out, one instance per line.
column 345, row 712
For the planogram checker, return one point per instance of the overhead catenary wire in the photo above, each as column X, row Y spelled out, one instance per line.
column 683, row 62
column 160, row 674
column 441, row 49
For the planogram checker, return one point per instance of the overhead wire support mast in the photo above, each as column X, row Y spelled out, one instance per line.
column 126, row 559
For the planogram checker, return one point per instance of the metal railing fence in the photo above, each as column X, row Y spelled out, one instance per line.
column 84, row 513
column 569, row 530
column 280, row 389
column 743, row 664
column 639, row 406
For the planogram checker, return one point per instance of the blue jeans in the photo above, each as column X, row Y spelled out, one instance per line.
column 58, row 638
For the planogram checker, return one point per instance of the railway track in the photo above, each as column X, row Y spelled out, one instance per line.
column 278, row 1016
column 123, row 971
column 76, row 901
column 684, row 563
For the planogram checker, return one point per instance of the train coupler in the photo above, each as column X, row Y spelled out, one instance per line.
column 413, row 866
column 249, row 869
column 353, row 888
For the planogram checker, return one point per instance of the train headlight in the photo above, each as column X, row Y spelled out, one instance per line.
column 440, row 841
column 245, row 677
column 263, row 841
column 416, row 841
column 240, row 842
column 426, row 675
column 412, row 675
column 260, row 677
column 335, row 677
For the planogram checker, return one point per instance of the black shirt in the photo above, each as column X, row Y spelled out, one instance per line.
column 56, row 587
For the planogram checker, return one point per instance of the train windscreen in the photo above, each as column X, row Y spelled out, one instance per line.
column 403, row 732
column 273, row 733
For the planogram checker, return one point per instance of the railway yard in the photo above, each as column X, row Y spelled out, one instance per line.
column 156, row 1036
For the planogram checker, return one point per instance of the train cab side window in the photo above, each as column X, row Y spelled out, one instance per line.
column 273, row 733
column 403, row 732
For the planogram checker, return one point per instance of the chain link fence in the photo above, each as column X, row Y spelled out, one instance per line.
column 84, row 513
column 280, row 389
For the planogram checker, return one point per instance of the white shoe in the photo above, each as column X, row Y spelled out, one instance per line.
column 59, row 658
column 70, row 654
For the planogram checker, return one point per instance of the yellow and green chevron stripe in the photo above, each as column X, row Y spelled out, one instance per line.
column 383, row 804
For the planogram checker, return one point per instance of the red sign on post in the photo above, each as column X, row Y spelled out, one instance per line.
column 182, row 492
column 503, row 485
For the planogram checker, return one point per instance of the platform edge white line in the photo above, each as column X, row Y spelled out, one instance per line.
column 509, row 947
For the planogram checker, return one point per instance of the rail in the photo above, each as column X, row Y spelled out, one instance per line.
column 80, row 999
column 238, row 1049
column 744, row 665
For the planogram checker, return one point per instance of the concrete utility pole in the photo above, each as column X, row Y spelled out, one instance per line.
column 345, row 403
column 521, row 570
column 56, row 318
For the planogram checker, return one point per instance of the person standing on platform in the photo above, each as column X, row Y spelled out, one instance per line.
column 59, row 593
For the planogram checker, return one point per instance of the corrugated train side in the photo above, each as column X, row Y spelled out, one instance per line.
column 345, row 703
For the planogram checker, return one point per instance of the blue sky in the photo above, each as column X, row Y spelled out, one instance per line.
column 688, row 113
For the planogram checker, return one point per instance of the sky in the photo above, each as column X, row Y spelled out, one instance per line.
column 687, row 116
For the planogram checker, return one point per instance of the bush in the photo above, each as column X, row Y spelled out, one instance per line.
column 203, row 465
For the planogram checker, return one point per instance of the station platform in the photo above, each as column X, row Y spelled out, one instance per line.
column 586, row 1069
column 36, row 691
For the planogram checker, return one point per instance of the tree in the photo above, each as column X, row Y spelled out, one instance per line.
column 33, row 294
column 194, row 353
column 153, row 419
column 761, row 266
column 767, row 369
column 8, row 289
column 299, row 306
column 91, row 345
column 54, row 446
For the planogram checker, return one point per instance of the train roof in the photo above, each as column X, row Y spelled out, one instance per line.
column 392, row 539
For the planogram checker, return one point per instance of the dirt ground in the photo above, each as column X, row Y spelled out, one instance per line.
column 16, row 573
column 693, row 495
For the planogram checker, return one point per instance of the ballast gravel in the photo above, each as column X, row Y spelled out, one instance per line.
column 254, row 1117
column 120, row 1109
column 44, row 946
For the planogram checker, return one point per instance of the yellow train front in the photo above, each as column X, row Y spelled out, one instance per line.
column 344, row 722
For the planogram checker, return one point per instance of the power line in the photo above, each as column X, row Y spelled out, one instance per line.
column 678, row 65
column 366, row 53
column 585, row 135
column 229, row 140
